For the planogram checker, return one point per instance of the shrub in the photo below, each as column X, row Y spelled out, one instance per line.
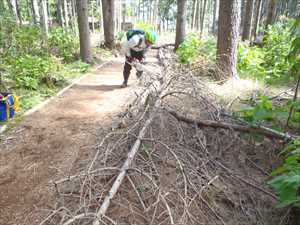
column 29, row 40
column 189, row 49
column 63, row 44
column 269, row 62
column 277, row 45
column 250, row 60
column 30, row 71
column 286, row 182
column 193, row 47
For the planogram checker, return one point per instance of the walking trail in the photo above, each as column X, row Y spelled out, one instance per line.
column 51, row 142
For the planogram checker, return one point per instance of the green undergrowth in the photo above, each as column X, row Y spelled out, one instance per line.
column 34, row 65
column 277, row 64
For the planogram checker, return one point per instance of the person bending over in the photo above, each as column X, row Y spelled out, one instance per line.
column 138, row 42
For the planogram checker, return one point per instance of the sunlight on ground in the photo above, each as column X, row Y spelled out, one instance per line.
column 233, row 90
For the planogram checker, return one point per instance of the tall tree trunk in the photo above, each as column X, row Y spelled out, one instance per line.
column 28, row 6
column 180, row 22
column 292, row 8
column 99, row 6
column 44, row 16
column 35, row 11
column 108, row 22
column 247, row 20
column 155, row 13
column 123, row 12
column 150, row 11
column 271, row 12
column 19, row 12
column 242, row 12
column 120, row 15
column 202, row 17
column 229, row 18
column 12, row 4
column 84, row 31
column 144, row 11
column 197, row 14
column 93, row 18
column 256, row 18
column 213, row 29
column 73, row 3
column 139, row 10
column 194, row 14
column 74, row 16
column 59, row 13
column 2, row 6
column 48, row 11
column 66, row 13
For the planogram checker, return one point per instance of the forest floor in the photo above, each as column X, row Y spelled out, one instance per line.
column 49, row 143
column 60, row 140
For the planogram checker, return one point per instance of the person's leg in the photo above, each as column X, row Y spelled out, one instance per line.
column 126, row 71
column 139, row 56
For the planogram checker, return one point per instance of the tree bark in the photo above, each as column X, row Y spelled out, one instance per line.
column 123, row 12
column 292, row 8
column 59, row 13
column 44, row 16
column 19, row 12
column 194, row 14
column 35, row 11
column 256, row 18
column 84, row 31
column 73, row 13
column 247, row 20
column 2, row 8
column 12, row 4
column 214, row 17
column 270, row 133
column 99, row 6
column 108, row 23
column 180, row 22
column 197, row 17
column 229, row 18
column 242, row 12
column 93, row 19
column 202, row 17
column 66, row 13
column 271, row 12
column 73, row 8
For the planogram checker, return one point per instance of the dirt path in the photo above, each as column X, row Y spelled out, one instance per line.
column 47, row 144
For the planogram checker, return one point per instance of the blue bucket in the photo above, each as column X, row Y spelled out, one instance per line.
column 6, row 106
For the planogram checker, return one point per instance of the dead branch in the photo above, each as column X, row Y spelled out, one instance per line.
column 268, row 132
column 130, row 157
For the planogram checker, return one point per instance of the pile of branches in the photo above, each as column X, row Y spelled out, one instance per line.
column 179, row 160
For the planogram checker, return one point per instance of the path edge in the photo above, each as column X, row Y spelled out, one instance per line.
column 58, row 94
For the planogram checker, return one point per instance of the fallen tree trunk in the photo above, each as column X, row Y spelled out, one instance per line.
column 270, row 133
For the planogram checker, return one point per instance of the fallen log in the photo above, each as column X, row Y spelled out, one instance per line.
column 270, row 133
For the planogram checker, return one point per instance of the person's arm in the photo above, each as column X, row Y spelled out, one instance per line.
column 131, row 43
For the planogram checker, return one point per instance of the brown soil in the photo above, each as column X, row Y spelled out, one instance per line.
column 49, row 143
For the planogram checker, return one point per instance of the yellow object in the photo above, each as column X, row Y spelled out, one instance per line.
column 16, row 105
